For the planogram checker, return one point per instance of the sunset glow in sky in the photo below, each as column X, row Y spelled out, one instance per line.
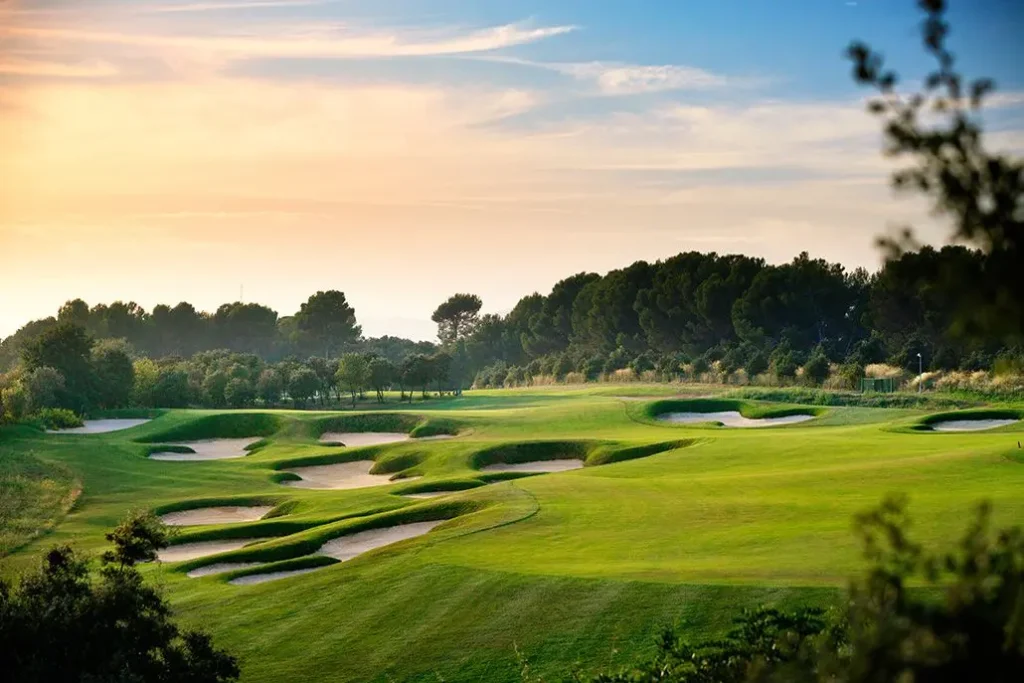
column 403, row 150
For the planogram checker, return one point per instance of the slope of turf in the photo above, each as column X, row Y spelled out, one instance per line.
column 665, row 523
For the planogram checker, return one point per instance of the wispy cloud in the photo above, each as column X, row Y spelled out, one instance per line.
column 27, row 67
column 222, row 6
column 316, row 41
column 617, row 78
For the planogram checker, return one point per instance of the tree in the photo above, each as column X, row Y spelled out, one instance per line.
column 981, row 192
column 44, row 385
column 115, row 374
column 137, row 538
column 66, row 348
column 238, row 393
column 327, row 322
column 59, row 625
column 816, row 368
column 457, row 317
column 213, row 388
column 353, row 374
column 416, row 371
column 382, row 375
column 270, row 386
column 302, row 385
column 326, row 371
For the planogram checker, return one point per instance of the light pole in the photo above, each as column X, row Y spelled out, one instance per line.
column 920, row 371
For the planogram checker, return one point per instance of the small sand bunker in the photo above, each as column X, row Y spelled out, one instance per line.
column 216, row 515
column 353, row 545
column 732, row 418
column 357, row 439
column 536, row 466
column 428, row 494
column 346, row 475
column 193, row 551
column 100, row 427
column 220, row 568
column 269, row 576
column 208, row 449
column 969, row 425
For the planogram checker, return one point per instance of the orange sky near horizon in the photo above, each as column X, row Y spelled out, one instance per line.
column 191, row 180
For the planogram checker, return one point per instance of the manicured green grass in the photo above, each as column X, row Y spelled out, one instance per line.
column 667, row 524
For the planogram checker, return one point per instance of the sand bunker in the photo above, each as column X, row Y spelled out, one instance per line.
column 536, row 466
column 220, row 568
column 357, row 439
column 732, row 418
column 347, row 547
column 269, row 576
column 193, row 551
column 100, row 427
column 346, row 475
column 969, row 425
column 428, row 494
column 208, row 449
column 216, row 515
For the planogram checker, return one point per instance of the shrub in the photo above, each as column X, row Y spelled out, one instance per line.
column 816, row 368
column 58, row 418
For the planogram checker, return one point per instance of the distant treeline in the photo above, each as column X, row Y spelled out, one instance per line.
column 804, row 321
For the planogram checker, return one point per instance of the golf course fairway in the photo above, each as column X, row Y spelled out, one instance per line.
column 666, row 524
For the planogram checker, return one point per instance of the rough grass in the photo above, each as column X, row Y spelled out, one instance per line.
column 34, row 496
column 667, row 524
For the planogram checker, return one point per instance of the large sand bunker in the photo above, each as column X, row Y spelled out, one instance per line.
column 536, row 466
column 220, row 568
column 732, row 418
column 345, row 475
column 99, row 427
column 208, row 449
column 269, row 576
column 353, row 545
column 969, row 425
column 357, row 439
column 193, row 551
column 216, row 515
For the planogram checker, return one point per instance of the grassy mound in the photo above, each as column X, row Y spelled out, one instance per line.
column 416, row 426
column 606, row 455
column 34, row 496
column 531, row 451
column 754, row 411
column 220, row 426
column 822, row 397
column 308, row 542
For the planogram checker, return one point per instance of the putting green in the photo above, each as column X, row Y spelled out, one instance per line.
column 667, row 524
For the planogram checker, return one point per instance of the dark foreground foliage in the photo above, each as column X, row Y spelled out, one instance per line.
column 963, row 620
column 62, row 624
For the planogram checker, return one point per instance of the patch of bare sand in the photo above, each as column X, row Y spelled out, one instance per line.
column 208, row 449
column 227, row 514
column 969, row 425
column 341, row 476
column 99, row 427
column 193, row 551
column 732, row 418
column 353, row 545
column 220, row 568
column 358, row 439
column 252, row 579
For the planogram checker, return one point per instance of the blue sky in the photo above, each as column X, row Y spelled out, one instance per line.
column 509, row 144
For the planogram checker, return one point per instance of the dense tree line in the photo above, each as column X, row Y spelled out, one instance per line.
column 325, row 325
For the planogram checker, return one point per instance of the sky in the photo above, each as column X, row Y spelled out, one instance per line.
column 404, row 150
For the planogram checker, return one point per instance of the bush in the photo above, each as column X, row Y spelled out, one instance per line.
column 816, row 369
column 58, row 418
